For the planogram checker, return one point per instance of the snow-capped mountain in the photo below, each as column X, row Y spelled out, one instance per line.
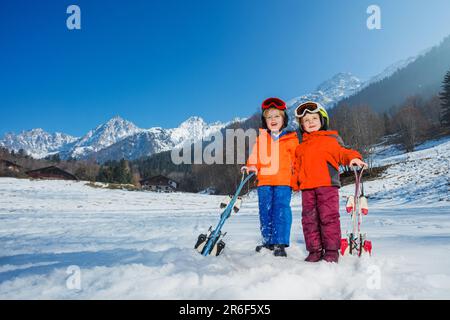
column 119, row 138
column 115, row 139
column 101, row 137
column 345, row 84
column 387, row 72
column 328, row 93
column 155, row 140
column 139, row 145
column 331, row 91
column 193, row 128
column 37, row 142
column 391, row 69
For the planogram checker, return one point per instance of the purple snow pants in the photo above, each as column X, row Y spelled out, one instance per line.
column 320, row 219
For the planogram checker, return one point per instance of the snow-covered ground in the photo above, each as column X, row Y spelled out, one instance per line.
column 65, row 240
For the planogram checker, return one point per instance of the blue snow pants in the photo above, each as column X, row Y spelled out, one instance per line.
column 275, row 214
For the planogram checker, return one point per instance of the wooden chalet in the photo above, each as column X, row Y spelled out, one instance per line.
column 10, row 166
column 159, row 183
column 52, row 172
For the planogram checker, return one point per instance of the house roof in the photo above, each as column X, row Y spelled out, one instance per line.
column 9, row 163
column 50, row 170
column 159, row 180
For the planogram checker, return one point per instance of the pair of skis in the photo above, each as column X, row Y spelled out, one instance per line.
column 356, row 242
column 212, row 242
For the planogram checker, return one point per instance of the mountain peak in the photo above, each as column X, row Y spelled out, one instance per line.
column 193, row 120
column 342, row 75
column 114, row 130
column 116, row 136
column 116, row 118
column 330, row 91
column 342, row 81
column 118, row 121
column 37, row 130
column 36, row 142
column 31, row 132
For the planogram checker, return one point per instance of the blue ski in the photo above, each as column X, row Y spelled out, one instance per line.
column 210, row 243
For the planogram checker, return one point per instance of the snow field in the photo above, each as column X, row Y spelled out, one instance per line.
column 139, row 245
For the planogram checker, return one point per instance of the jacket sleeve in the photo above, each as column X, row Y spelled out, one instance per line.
column 253, row 158
column 346, row 154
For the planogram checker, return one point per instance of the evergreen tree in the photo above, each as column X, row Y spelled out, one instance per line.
column 445, row 100
column 115, row 172
column 105, row 174
column 125, row 172
column 56, row 158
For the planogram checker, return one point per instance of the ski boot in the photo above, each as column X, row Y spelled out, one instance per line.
column 331, row 256
column 279, row 251
column 314, row 256
column 264, row 246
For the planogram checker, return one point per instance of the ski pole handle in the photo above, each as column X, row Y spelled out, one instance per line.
column 249, row 169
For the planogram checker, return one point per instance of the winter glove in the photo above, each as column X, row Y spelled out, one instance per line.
column 249, row 169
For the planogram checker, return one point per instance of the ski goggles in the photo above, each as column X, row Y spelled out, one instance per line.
column 310, row 107
column 274, row 103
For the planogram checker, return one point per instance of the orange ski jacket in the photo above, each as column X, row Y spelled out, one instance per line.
column 274, row 159
column 317, row 160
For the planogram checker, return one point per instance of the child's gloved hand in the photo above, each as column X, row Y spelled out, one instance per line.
column 358, row 162
column 249, row 169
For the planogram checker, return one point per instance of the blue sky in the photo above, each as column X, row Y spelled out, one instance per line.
column 158, row 62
